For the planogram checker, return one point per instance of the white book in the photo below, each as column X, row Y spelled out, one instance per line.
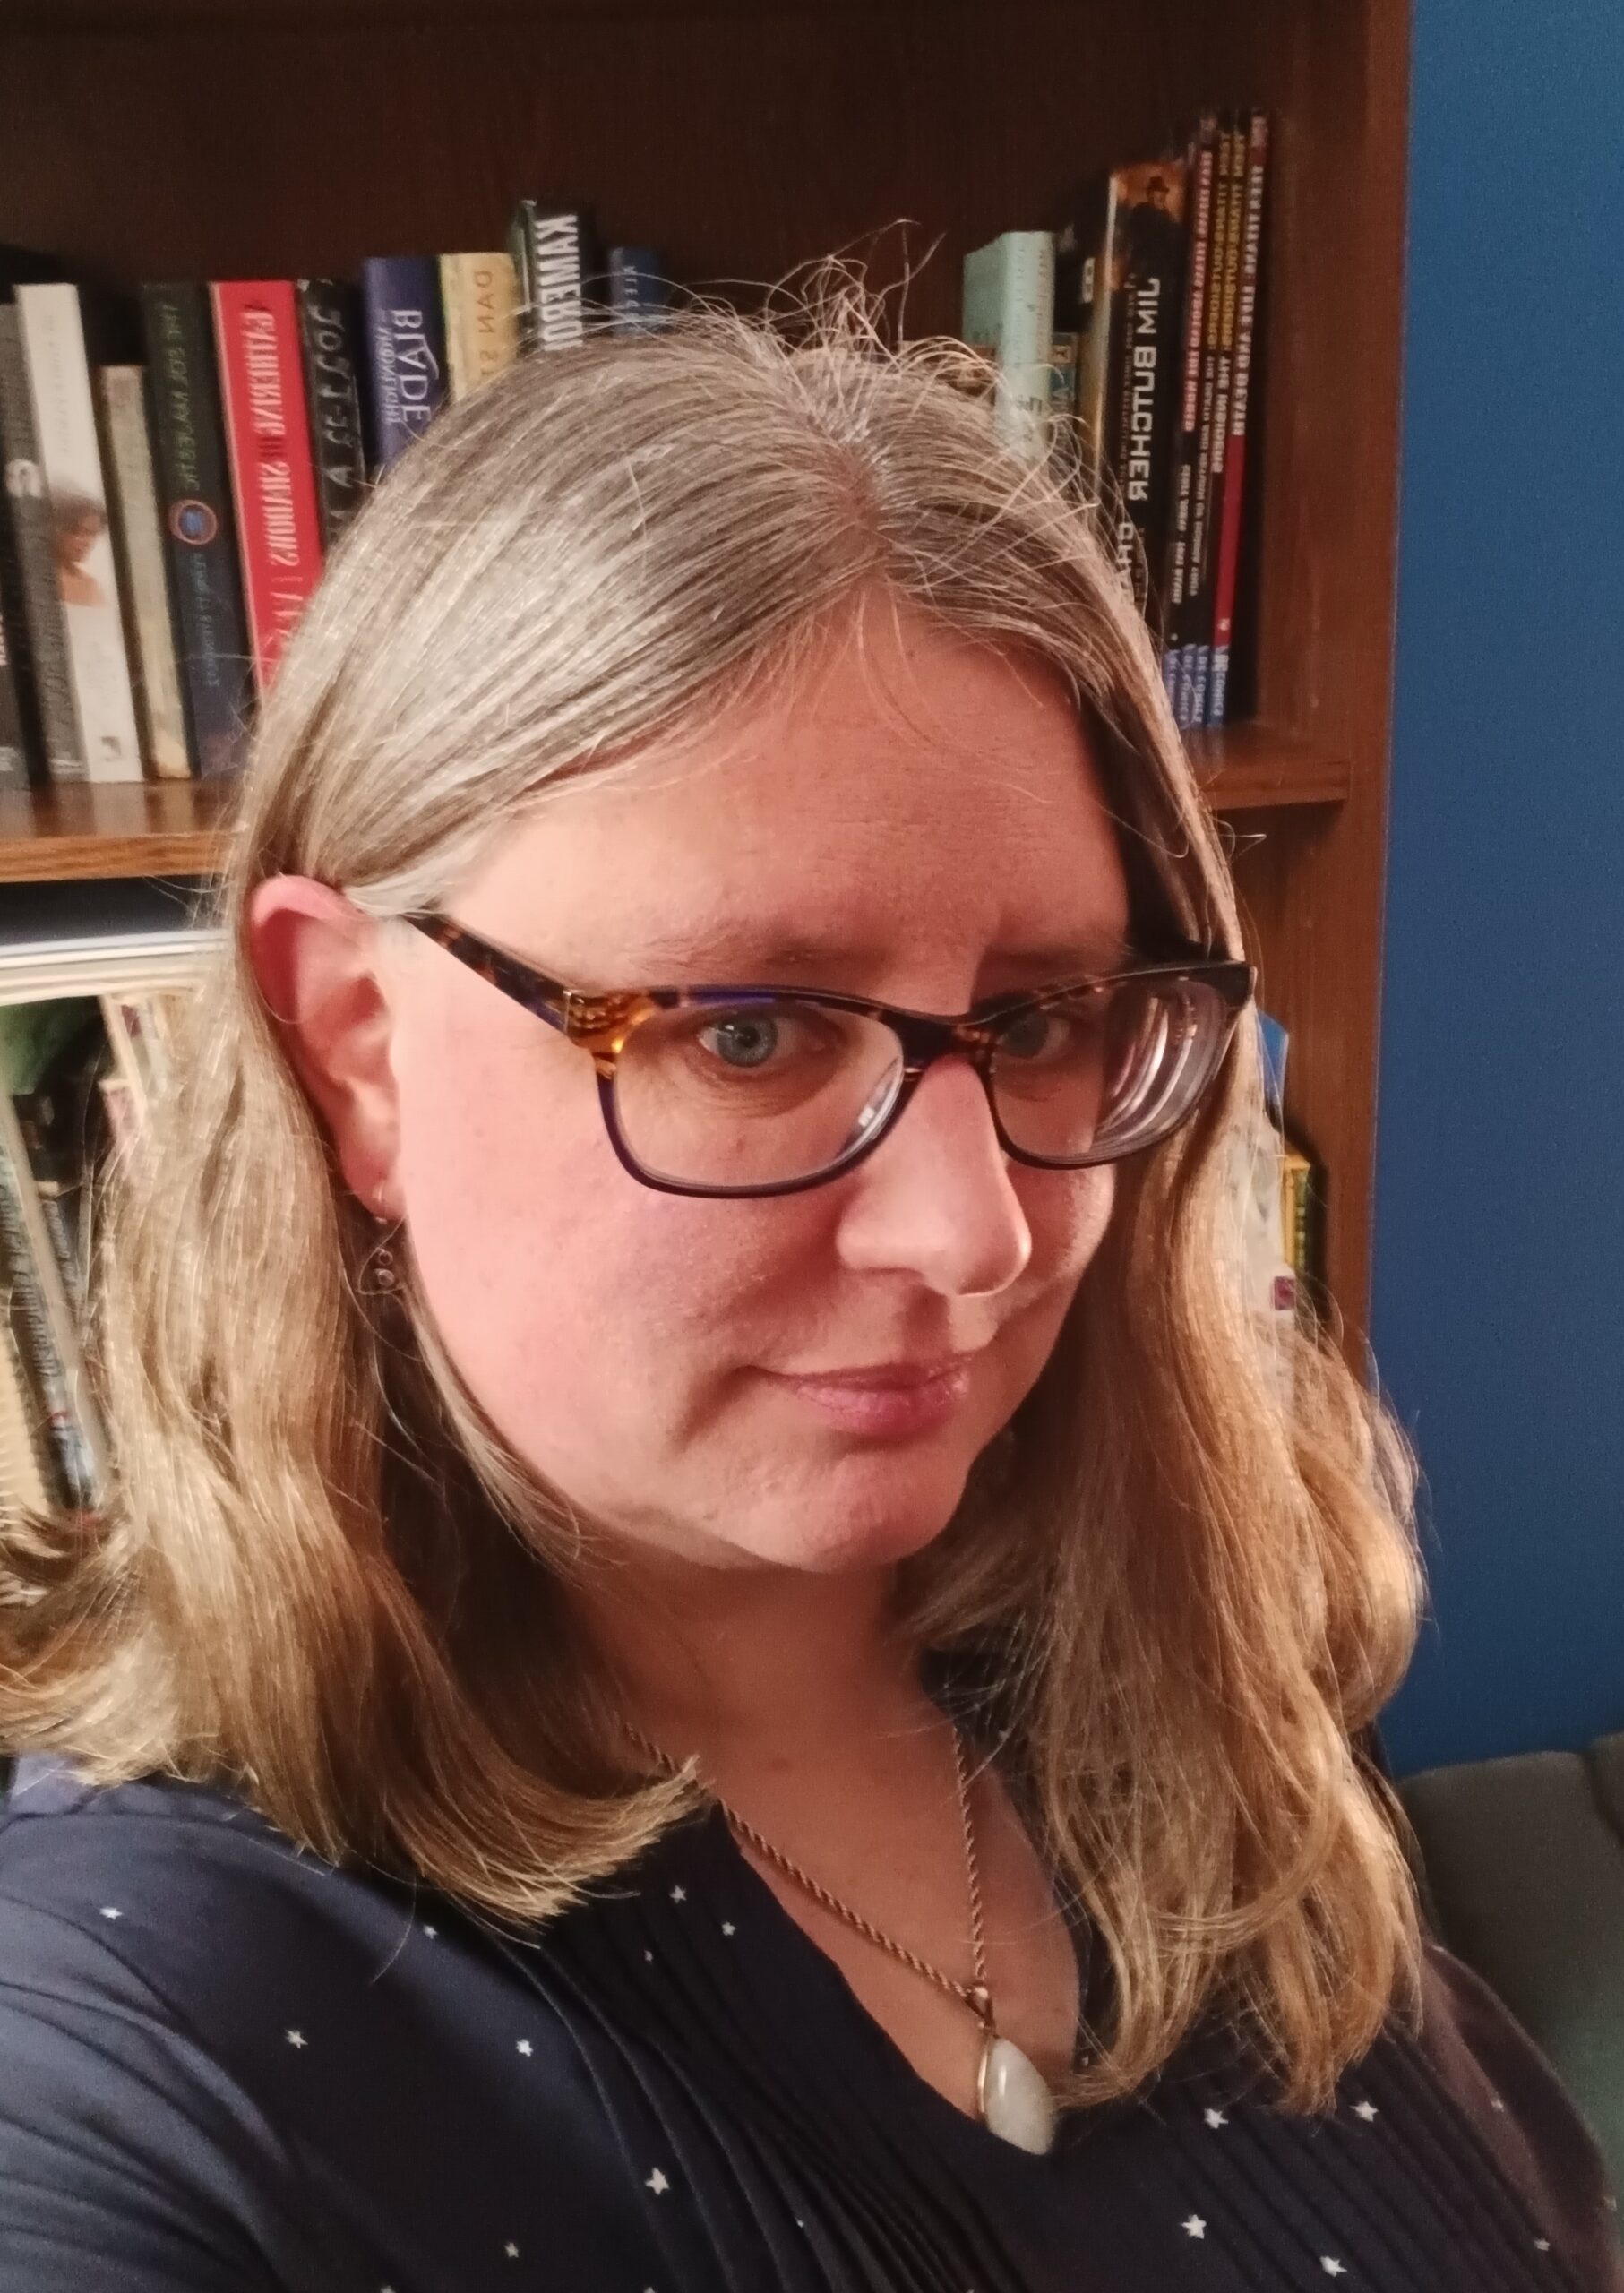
column 139, row 538
column 1009, row 313
column 87, row 576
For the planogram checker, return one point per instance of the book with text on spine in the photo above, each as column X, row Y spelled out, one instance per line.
column 405, row 336
column 56, row 352
column 28, row 512
column 330, row 333
column 257, row 332
column 1234, row 456
column 200, row 526
column 480, row 302
column 556, row 264
column 138, row 540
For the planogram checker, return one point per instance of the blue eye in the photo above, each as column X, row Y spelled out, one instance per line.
column 743, row 1039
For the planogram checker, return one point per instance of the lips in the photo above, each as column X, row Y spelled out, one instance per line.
column 884, row 1377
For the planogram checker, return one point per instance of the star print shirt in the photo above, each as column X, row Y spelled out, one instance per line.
column 224, row 2064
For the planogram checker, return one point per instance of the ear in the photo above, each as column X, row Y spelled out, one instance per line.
column 317, row 959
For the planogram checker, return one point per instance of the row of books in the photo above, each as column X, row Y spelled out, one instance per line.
column 1137, row 316
column 179, row 463
column 92, row 980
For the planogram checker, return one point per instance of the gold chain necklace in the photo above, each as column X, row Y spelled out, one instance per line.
column 1012, row 2094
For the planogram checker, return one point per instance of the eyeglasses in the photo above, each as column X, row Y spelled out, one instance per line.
column 768, row 1090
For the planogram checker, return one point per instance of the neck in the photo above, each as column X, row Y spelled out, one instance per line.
column 775, row 1660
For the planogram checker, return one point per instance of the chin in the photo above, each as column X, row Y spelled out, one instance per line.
column 856, row 1519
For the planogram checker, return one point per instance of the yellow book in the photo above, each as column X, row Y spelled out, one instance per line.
column 479, row 295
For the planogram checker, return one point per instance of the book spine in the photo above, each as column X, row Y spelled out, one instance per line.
column 479, row 297
column 1234, row 456
column 1227, row 278
column 1008, row 313
column 87, row 579
column 330, row 334
column 405, row 350
column 1124, row 535
column 273, row 486
column 638, row 291
column 1203, row 153
column 138, row 543
column 199, row 529
column 48, row 1375
column 1086, row 303
column 18, row 747
column 556, row 269
column 1198, row 587
column 28, row 512
column 27, row 1468
column 1153, row 223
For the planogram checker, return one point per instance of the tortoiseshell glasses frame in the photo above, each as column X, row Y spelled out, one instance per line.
column 602, row 1024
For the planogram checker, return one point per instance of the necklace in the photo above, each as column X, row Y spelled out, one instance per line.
column 1012, row 2094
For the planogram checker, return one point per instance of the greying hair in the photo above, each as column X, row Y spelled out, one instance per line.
column 323, row 1578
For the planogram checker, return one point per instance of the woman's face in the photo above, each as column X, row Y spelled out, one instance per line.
column 921, row 818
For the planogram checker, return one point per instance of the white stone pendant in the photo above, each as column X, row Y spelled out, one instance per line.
column 1015, row 2100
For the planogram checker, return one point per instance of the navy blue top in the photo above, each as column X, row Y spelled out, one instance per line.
column 226, row 2065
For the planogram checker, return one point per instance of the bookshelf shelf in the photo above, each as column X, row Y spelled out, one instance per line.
column 746, row 137
column 179, row 828
column 174, row 828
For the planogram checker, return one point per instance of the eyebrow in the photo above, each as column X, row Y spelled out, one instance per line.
column 731, row 951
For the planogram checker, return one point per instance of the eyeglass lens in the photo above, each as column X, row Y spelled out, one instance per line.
column 761, row 1091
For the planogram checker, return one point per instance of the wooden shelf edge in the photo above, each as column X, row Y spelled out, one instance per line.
column 160, row 827
column 1249, row 767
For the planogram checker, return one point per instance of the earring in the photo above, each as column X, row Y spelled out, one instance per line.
column 380, row 1276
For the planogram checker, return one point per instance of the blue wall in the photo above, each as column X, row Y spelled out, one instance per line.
column 1498, row 1317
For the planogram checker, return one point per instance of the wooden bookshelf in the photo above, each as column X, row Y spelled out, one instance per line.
column 744, row 137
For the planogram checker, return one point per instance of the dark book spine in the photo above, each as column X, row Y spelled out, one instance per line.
column 1202, row 163
column 1226, row 279
column 405, row 333
column 22, row 754
column 552, row 252
column 1198, row 581
column 639, row 293
column 44, row 1375
column 1122, row 532
column 1234, row 459
column 329, row 336
column 29, row 504
column 199, row 528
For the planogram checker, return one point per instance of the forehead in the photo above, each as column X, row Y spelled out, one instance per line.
column 907, row 795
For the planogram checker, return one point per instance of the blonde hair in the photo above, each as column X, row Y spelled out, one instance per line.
column 321, row 1576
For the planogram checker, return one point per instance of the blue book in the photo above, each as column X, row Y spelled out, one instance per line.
column 1273, row 1043
column 637, row 291
column 404, row 333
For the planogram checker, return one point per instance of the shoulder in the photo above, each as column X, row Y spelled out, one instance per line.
column 1513, row 2098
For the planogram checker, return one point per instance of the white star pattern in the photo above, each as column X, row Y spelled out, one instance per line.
column 679, row 1894
column 297, row 2040
column 1194, row 2227
column 111, row 1910
column 1215, row 2118
column 1542, row 2245
column 648, row 1957
column 1495, row 2103
column 657, row 2183
column 431, row 1932
column 1366, row 2110
column 525, row 2047
column 728, row 1927
column 511, row 2250
column 1331, row 2265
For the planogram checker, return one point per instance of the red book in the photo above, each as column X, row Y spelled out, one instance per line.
column 1234, row 460
column 256, row 333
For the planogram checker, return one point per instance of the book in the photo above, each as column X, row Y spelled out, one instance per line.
column 256, row 330
column 53, row 1081
column 200, row 526
column 1008, row 316
column 41, row 1321
column 480, row 299
column 1250, row 206
column 556, row 265
column 26, row 1472
column 329, row 336
column 1200, row 168
column 1226, row 267
column 639, row 293
column 1148, row 253
column 56, row 352
column 21, row 749
column 28, row 517
column 1084, row 296
column 143, row 575
column 405, row 339
column 1196, row 620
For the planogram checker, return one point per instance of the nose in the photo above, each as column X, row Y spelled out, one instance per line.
column 934, row 1198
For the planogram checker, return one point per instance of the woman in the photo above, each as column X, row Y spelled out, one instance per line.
column 721, row 1657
